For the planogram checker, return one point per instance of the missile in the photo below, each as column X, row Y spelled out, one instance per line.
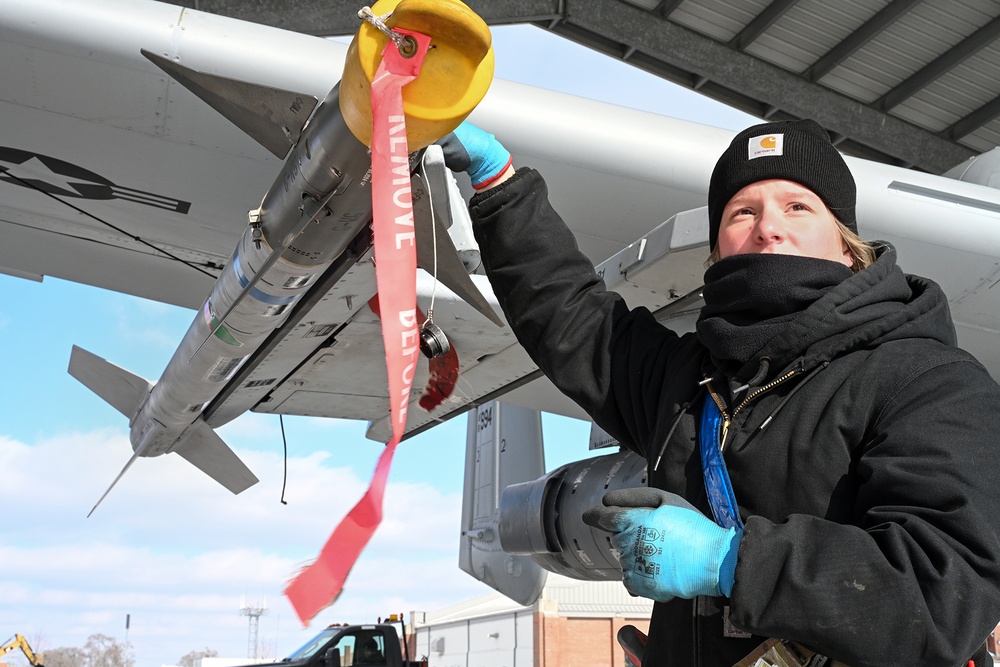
column 318, row 206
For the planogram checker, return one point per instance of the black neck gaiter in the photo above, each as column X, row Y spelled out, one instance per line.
column 749, row 299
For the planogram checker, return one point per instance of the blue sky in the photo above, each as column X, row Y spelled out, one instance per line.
column 167, row 546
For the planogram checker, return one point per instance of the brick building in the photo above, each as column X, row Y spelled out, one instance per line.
column 572, row 623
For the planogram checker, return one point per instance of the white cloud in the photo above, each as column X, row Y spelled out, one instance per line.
column 177, row 552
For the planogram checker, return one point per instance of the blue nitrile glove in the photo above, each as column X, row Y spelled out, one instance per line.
column 667, row 548
column 475, row 151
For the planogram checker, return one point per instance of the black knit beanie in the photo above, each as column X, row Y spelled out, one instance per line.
column 799, row 151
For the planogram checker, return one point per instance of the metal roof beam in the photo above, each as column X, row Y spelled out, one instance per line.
column 734, row 98
column 666, row 7
column 340, row 17
column 686, row 51
column 868, row 31
column 671, row 51
column 760, row 23
column 932, row 70
column 974, row 120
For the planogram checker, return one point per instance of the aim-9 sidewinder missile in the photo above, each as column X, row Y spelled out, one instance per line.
column 318, row 206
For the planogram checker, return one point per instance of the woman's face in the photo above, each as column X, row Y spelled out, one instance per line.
column 780, row 217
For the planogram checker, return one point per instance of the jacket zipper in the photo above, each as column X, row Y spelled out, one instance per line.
column 726, row 421
column 727, row 418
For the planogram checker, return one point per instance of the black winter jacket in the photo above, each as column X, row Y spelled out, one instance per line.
column 869, row 502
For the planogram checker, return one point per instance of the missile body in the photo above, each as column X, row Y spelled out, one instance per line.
column 328, row 160
column 317, row 206
column 319, row 202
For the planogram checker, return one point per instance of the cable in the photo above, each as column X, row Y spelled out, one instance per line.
column 284, row 441
column 76, row 208
column 430, row 203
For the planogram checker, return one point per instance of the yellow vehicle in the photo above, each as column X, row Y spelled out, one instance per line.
column 20, row 642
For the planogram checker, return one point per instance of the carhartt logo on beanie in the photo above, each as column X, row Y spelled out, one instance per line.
column 765, row 144
column 797, row 151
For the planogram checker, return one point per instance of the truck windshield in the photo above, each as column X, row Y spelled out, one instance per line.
column 310, row 648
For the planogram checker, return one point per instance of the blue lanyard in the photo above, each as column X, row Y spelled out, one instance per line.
column 720, row 489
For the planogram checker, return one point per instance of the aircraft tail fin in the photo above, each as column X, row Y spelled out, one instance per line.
column 503, row 447
column 122, row 389
column 202, row 447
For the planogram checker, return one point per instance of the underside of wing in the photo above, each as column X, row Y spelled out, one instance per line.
column 111, row 173
column 328, row 359
column 114, row 174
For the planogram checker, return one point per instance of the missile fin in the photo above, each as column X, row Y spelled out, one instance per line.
column 272, row 117
column 123, row 389
column 204, row 449
column 451, row 270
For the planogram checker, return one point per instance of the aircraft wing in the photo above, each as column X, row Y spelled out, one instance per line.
column 142, row 173
column 115, row 175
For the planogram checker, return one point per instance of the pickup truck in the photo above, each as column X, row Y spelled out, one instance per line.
column 375, row 645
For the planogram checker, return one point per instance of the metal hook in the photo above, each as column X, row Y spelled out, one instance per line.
column 407, row 45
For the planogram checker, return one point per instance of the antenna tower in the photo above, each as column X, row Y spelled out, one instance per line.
column 253, row 613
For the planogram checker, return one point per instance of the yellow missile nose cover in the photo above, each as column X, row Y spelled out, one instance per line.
column 454, row 78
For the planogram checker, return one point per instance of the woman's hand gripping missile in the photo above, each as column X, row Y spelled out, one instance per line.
column 476, row 152
column 667, row 548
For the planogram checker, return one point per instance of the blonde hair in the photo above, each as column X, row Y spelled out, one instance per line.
column 861, row 252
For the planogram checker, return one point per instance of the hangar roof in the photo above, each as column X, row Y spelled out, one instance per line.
column 909, row 82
